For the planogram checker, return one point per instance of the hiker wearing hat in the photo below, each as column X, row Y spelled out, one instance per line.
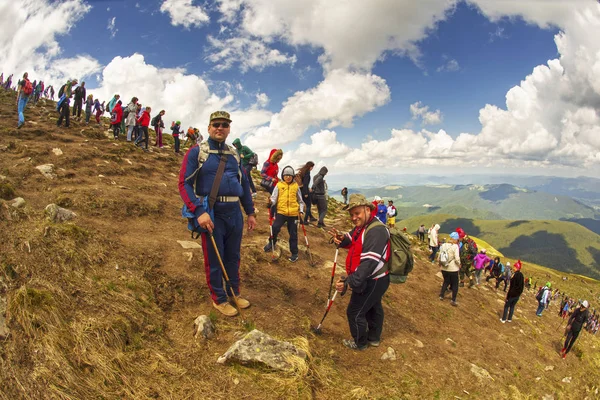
column 246, row 156
column 579, row 317
column 64, row 101
column 468, row 251
column 517, row 284
column 543, row 296
column 270, row 170
column 479, row 262
column 449, row 261
column 226, row 225
column 287, row 201
column 369, row 249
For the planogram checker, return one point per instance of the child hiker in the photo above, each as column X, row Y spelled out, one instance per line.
column 287, row 201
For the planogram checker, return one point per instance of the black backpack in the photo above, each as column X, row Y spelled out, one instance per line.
column 253, row 161
column 61, row 90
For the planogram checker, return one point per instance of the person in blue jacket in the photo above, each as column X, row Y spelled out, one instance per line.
column 227, row 224
column 382, row 212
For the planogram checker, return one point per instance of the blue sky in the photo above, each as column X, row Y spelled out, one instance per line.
column 335, row 82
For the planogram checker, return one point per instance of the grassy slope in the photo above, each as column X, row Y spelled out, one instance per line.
column 565, row 246
column 518, row 205
column 102, row 307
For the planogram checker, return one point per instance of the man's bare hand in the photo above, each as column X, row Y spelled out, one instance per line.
column 251, row 222
column 206, row 223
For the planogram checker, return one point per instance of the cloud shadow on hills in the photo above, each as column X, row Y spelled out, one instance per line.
column 498, row 193
column 516, row 223
column 550, row 250
column 468, row 225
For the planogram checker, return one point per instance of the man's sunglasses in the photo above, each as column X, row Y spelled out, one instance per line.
column 219, row 124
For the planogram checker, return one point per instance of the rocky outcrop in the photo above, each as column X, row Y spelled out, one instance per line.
column 59, row 214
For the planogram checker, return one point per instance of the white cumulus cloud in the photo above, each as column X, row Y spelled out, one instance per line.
column 419, row 111
column 183, row 12
column 248, row 53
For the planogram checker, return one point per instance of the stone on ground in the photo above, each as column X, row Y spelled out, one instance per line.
column 390, row 354
column 480, row 373
column 59, row 214
column 204, row 327
column 47, row 170
column 261, row 349
column 186, row 244
column 17, row 202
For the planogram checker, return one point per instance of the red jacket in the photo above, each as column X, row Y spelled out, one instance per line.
column 270, row 169
column 119, row 111
column 144, row 119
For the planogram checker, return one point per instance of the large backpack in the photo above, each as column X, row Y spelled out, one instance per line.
column 401, row 261
column 540, row 294
column 61, row 90
column 28, row 88
column 444, row 255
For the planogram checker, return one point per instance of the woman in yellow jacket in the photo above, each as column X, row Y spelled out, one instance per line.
column 286, row 199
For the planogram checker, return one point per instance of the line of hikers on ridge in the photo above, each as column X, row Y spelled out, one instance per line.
column 132, row 120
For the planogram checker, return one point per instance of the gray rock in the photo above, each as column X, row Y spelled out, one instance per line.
column 419, row 344
column 567, row 379
column 4, row 331
column 480, row 373
column 59, row 214
column 17, row 202
column 186, row 244
column 57, row 151
column 203, row 326
column 47, row 170
column 390, row 354
column 259, row 348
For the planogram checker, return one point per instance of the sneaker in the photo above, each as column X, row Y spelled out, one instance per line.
column 320, row 225
column 509, row 320
column 351, row 344
column 374, row 343
column 20, row 124
column 564, row 356
column 293, row 258
column 254, row 195
column 503, row 321
column 243, row 303
column 268, row 247
column 454, row 303
column 441, row 298
column 226, row 309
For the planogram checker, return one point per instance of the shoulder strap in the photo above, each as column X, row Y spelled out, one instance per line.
column 212, row 197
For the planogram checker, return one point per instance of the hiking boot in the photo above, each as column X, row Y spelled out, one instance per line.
column 226, row 309
column 441, row 297
column 454, row 303
column 351, row 344
column 313, row 219
column 320, row 225
column 503, row 321
column 268, row 247
column 243, row 303
column 374, row 343
column 564, row 356
column 293, row 258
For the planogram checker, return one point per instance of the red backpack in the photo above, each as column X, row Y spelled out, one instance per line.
column 28, row 88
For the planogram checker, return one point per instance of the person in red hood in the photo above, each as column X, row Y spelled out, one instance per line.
column 115, row 119
column 143, row 122
column 270, row 170
column 375, row 203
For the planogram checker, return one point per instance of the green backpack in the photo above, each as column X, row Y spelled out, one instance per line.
column 401, row 260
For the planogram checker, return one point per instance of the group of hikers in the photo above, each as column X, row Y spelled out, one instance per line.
column 133, row 120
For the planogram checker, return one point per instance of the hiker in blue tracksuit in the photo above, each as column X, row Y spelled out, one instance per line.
column 228, row 224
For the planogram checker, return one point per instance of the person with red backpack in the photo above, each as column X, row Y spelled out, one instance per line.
column 24, row 90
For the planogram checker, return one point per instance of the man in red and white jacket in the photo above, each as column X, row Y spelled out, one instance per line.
column 144, row 122
column 368, row 247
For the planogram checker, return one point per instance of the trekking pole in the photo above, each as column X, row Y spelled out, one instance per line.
column 317, row 329
column 337, row 250
column 235, row 300
column 310, row 259
column 273, row 256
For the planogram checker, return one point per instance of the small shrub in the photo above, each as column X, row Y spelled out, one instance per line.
column 7, row 192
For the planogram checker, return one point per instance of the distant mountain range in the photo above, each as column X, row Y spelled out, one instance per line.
column 561, row 245
column 495, row 201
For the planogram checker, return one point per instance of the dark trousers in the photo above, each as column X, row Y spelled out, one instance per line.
column 422, row 236
column 229, row 226
column 450, row 281
column 248, row 169
column 321, row 207
column 499, row 281
column 570, row 340
column 77, row 108
column 143, row 135
column 365, row 313
column 64, row 114
column 177, row 143
column 280, row 220
column 88, row 114
column 116, row 130
column 509, row 308
column 308, row 215
column 434, row 250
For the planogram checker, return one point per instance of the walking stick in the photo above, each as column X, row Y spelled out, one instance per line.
column 273, row 255
column 317, row 329
column 235, row 300
column 337, row 249
column 310, row 258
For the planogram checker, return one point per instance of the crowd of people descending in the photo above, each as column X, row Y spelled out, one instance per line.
column 291, row 200
column 132, row 120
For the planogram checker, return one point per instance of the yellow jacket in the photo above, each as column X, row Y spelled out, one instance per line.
column 288, row 199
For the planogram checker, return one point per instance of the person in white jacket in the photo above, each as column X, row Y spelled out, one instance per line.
column 433, row 241
column 544, row 300
column 449, row 261
column 130, row 120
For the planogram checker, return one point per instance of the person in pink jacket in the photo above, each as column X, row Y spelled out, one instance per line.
column 479, row 261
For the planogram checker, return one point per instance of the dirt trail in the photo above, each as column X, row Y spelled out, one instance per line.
column 103, row 306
